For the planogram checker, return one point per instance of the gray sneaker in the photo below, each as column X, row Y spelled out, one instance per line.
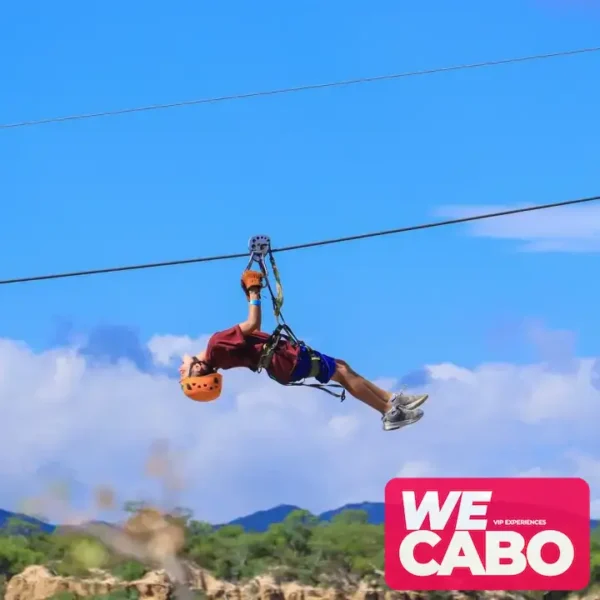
column 398, row 417
column 408, row 401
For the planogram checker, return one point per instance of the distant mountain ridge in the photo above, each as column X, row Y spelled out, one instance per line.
column 261, row 520
column 6, row 516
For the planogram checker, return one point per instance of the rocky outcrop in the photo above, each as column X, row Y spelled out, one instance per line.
column 38, row 583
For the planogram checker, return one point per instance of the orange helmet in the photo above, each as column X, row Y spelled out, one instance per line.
column 204, row 388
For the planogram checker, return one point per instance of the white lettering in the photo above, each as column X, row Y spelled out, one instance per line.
column 430, row 506
column 494, row 553
column 439, row 515
column 468, row 510
column 499, row 545
column 406, row 553
column 565, row 549
column 461, row 542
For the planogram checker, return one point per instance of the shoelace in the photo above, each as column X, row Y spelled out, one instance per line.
column 393, row 412
column 398, row 396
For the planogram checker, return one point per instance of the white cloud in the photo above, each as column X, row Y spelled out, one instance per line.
column 416, row 468
column 564, row 229
column 262, row 444
column 167, row 348
column 344, row 426
column 588, row 467
column 575, row 464
column 535, row 472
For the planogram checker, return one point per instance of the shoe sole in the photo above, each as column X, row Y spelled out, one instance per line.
column 393, row 426
column 420, row 400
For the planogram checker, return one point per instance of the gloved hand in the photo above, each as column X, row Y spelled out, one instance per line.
column 251, row 279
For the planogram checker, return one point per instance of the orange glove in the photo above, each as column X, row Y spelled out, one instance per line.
column 251, row 279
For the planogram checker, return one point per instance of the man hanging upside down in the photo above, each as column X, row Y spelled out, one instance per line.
column 243, row 346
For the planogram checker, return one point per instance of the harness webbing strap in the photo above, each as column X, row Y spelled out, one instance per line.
column 283, row 331
column 324, row 387
column 315, row 365
column 278, row 300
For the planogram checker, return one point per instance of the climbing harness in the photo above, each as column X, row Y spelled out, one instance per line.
column 259, row 247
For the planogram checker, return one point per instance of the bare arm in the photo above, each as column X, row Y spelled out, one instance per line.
column 253, row 322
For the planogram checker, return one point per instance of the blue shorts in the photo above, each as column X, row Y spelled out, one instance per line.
column 327, row 366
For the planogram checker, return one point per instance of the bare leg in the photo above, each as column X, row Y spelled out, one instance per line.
column 360, row 388
column 405, row 400
column 385, row 396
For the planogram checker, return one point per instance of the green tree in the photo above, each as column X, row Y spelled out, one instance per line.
column 288, row 548
column 349, row 548
column 72, row 553
column 182, row 514
column 351, row 517
column 595, row 558
column 129, row 570
column 15, row 555
column 231, row 552
column 123, row 594
column 63, row 596
column 16, row 526
column 197, row 536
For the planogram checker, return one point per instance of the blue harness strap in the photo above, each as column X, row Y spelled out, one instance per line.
column 310, row 363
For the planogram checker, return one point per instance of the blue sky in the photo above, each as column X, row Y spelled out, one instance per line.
column 199, row 181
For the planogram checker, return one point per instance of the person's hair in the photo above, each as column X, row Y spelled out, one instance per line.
column 202, row 368
column 206, row 368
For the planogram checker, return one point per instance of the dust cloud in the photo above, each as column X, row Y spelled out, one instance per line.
column 152, row 534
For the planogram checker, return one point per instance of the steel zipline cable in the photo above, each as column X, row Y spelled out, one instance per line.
column 328, row 242
column 301, row 88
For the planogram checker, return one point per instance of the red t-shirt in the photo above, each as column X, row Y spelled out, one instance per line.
column 230, row 349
